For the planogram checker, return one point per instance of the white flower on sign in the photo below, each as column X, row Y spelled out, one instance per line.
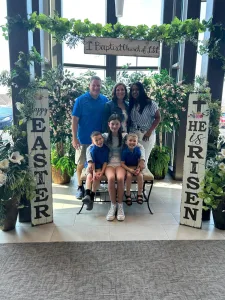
column 4, row 164
column 16, row 158
column 222, row 167
column 223, row 152
column 2, row 178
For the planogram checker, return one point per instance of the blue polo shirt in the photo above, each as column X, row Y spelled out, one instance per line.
column 90, row 112
column 131, row 157
column 99, row 155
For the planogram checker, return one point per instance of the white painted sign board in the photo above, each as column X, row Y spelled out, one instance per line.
column 123, row 47
column 38, row 136
column 194, row 160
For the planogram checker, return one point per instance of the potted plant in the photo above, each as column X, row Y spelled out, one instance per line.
column 215, row 108
column 15, row 180
column 63, row 89
column 63, row 163
column 213, row 185
column 171, row 98
column 159, row 161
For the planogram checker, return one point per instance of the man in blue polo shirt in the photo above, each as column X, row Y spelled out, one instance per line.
column 86, row 117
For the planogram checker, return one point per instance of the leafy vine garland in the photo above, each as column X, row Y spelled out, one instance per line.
column 74, row 31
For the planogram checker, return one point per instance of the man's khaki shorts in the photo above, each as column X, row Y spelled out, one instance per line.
column 80, row 155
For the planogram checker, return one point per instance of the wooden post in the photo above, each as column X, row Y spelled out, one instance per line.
column 39, row 160
column 194, row 160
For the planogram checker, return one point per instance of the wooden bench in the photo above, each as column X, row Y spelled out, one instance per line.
column 148, row 178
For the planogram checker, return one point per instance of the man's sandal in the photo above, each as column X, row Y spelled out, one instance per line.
column 140, row 199
column 128, row 200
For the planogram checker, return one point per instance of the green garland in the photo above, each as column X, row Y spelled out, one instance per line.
column 74, row 31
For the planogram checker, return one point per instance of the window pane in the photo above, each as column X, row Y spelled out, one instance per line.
column 77, row 56
column 137, row 61
column 85, row 9
column 200, row 38
column 80, row 71
column 4, row 57
column 124, row 60
column 138, row 12
column 147, row 61
column 132, row 72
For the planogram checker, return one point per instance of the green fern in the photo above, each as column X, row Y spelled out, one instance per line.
column 159, row 161
column 65, row 163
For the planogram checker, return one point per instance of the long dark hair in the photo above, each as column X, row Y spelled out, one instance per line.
column 114, row 98
column 142, row 99
column 115, row 117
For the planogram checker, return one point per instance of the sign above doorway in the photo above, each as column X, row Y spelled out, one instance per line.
column 122, row 47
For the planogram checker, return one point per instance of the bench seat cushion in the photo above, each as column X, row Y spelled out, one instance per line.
column 147, row 175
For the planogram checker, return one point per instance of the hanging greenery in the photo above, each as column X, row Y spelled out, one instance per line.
column 73, row 31
column 19, row 79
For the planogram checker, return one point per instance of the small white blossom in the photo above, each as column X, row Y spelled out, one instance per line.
column 219, row 157
column 223, row 152
column 4, row 164
column 222, row 167
column 16, row 158
column 19, row 106
column 3, row 178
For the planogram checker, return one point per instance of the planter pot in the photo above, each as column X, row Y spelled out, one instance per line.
column 206, row 215
column 25, row 212
column 158, row 177
column 11, row 213
column 219, row 216
column 58, row 177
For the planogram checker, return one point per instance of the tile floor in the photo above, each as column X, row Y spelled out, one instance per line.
column 92, row 226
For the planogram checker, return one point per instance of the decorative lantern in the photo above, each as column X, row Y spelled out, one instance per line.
column 119, row 8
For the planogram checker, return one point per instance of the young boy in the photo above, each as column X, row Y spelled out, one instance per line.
column 100, row 155
column 130, row 161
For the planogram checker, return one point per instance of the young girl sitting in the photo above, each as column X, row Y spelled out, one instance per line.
column 130, row 160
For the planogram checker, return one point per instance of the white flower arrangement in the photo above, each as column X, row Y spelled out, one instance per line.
column 16, row 158
column 213, row 188
column 19, row 106
column 222, row 167
column 223, row 152
column 3, row 178
column 4, row 164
